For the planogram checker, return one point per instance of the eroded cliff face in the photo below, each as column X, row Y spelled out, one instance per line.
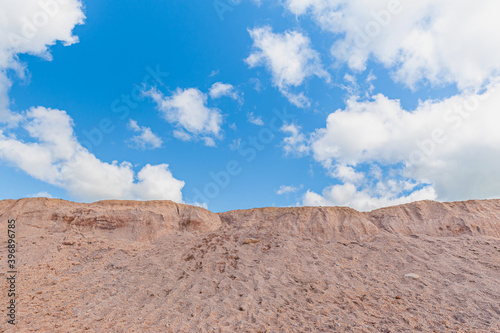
column 126, row 220
column 474, row 217
column 151, row 220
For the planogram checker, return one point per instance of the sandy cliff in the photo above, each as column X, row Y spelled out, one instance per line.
column 151, row 220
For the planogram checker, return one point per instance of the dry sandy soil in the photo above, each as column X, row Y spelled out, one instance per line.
column 117, row 266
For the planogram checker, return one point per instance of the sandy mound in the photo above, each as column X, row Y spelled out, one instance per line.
column 119, row 220
column 116, row 266
column 441, row 219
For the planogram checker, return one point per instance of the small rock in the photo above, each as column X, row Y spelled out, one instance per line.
column 68, row 243
column 251, row 240
column 398, row 297
column 412, row 276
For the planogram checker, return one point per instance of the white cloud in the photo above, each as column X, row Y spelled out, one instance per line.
column 439, row 41
column 257, row 85
column 182, row 135
column 363, row 199
column 296, row 142
column 252, row 119
column 451, row 147
column 290, row 59
column 209, row 142
column 6, row 116
column 445, row 149
column 41, row 195
column 359, row 86
column 155, row 182
column 299, row 100
column 235, row 144
column 145, row 139
column 347, row 174
column 188, row 111
column 219, row 89
column 200, row 204
column 30, row 27
column 54, row 155
column 286, row 189
column 50, row 152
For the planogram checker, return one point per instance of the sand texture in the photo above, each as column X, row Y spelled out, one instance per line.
column 123, row 266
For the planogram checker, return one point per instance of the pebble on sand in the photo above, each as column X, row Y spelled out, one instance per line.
column 250, row 241
column 412, row 276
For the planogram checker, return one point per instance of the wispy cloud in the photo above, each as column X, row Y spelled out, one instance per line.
column 145, row 139
column 287, row 189
column 252, row 119
column 219, row 89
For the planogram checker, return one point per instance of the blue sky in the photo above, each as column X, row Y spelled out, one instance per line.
column 377, row 125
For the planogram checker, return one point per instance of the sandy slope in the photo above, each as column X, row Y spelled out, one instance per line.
column 162, row 267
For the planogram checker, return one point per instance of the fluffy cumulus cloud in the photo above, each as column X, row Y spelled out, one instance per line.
column 436, row 41
column 41, row 141
column 382, row 154
column 446, row 149
column 187, row 110
column 31, row 27
column 54, row 155
column 145, row 138
column 290, row 59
